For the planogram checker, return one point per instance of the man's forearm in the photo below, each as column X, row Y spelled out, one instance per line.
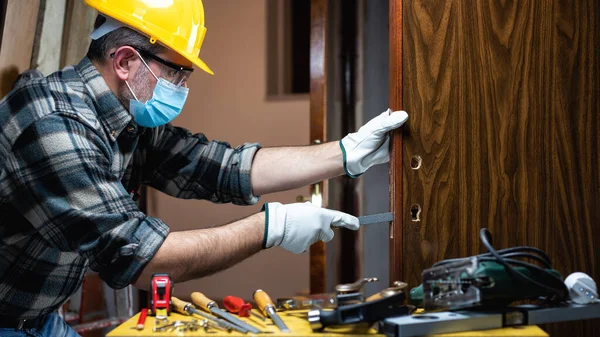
column 285, row 168
column 195, row 253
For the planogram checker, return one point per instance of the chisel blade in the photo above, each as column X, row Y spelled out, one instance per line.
column 234, row 320
column 279, row 322
column 375, row 218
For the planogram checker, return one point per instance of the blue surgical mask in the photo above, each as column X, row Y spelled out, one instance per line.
column 166, row 103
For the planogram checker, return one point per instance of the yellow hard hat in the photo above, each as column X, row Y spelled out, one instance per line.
column 177, row 24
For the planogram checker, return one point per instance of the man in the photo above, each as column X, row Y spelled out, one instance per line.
column 76, row 145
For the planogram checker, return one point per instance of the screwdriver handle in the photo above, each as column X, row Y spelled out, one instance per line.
column 179, row 305
column 263, row 301
column 202, row 301
column 237, row 305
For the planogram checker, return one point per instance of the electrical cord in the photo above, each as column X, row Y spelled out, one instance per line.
column 560, row 291
column 551, row 283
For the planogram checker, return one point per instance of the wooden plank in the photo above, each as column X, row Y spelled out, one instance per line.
column 504, row 113
column 396, row 204
column 79, row 23
column 318, row 122
column 46, row 56
column 17, row 41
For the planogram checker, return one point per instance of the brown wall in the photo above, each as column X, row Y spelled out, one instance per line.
column 232, row 106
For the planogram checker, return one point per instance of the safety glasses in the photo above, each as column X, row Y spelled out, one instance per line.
column 176, row 74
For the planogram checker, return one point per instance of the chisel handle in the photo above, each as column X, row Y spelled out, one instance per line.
column 263, row 301
column 202, row 301
column 179, row 305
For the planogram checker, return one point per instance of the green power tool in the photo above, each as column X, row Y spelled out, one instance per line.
column 490, row 280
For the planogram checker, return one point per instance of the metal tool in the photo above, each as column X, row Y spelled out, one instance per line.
column 266, row 306
column 211, row 306
column 393, row 290
column 376, row 218
column 350, row 293
column 369, row 312
column 183, row 326
column 161, row 289
column 187, row 308
column 469, row 320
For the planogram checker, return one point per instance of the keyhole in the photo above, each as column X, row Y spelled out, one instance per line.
column 415, row 212
column 415, row 162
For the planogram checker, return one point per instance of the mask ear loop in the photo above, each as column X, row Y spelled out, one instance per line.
column 131, row 90
column 146, row 64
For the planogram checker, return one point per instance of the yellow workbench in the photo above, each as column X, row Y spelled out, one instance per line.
column 299, row 327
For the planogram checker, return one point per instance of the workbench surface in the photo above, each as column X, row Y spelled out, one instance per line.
column 300, row 327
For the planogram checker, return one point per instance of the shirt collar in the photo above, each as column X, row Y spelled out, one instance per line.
column 111, row 113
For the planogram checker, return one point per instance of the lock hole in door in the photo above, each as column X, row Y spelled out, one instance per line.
column 415, row 212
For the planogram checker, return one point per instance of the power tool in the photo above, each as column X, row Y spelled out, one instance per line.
column 161, row 289
column 494, row 279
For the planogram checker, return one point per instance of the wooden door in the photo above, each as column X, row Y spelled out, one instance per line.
column 504, row 108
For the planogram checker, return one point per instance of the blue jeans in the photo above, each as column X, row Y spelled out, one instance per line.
column 54, row 327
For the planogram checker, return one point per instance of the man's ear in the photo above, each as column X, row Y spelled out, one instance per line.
column 124, row 63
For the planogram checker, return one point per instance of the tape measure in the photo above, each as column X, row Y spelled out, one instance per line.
column 161, row 289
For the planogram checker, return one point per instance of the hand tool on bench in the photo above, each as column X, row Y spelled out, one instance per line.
column 142, row 319
column 397, row 287
column 266, row 306
column 345, row 294
column 211, row 306
column 187, row 308
column 161, row 288
column 238, row 306
column 369, row 312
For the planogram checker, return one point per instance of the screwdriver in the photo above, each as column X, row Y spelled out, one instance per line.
column 265, row 304
column 238, row 306
column 211, row 306
column 187, row 308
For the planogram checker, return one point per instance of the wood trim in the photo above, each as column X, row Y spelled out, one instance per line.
column 79, row 22
column 17, row 42
column 318, row 123
column 396, row 270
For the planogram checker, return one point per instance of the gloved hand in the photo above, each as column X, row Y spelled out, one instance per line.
column 297, row 226
column 370, row 144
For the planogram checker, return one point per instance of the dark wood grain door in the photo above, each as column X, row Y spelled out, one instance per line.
column 504, row 108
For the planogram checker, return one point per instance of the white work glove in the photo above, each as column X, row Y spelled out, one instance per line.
column 370, row 145
column 297, row 226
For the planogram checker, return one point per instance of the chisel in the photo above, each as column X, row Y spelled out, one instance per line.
column 375, row 218
column 211, row 306
column 187, row 308
column 265, row 304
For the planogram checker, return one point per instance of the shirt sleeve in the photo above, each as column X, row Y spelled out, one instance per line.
column 61, row 171
column 188, row 166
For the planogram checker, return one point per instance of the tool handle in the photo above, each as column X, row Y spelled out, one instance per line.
column 202, row 301
column 237, row 305
column 179, row 305
column 374, row 297
column 263, row 301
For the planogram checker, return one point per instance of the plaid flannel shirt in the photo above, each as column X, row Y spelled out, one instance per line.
column 70, row 157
